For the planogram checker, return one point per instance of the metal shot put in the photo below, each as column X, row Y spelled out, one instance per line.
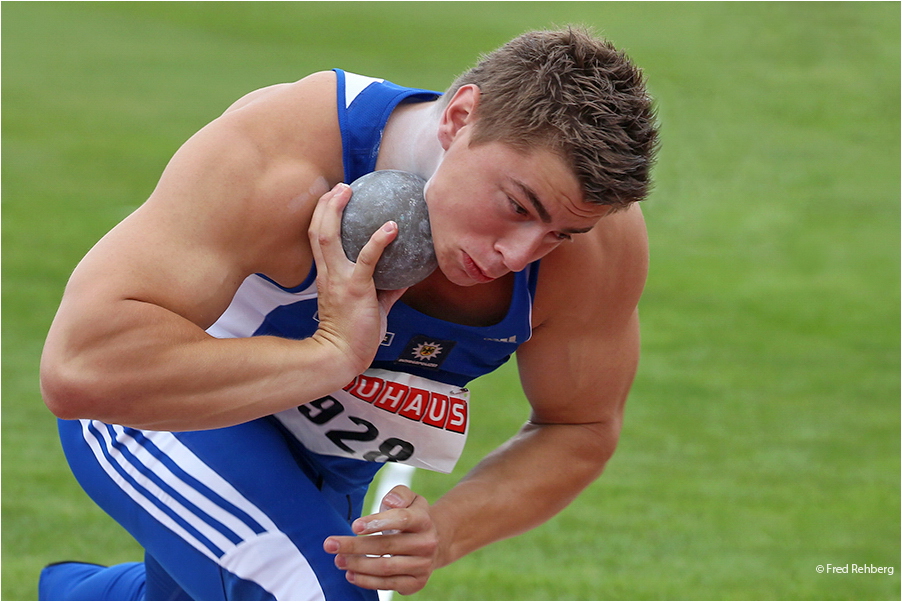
column 391, row 195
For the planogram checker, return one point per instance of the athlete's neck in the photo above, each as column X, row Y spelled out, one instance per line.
column 410, row 140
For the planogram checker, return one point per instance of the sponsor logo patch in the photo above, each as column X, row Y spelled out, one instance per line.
column 426, row 352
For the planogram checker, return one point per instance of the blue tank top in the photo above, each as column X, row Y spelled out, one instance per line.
column 423, row 347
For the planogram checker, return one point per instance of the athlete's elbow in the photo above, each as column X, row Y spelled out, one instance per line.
column 70, row 391
column 62, row 395
column 600, row 445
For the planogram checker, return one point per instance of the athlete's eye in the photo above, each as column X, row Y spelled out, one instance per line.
column 562, row 236
column 517, row 207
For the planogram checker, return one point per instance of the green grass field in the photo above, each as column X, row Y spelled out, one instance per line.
column 763, row 432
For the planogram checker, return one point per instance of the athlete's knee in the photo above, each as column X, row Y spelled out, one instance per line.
column 85, row 581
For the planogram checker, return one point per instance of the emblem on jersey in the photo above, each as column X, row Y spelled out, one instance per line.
column 427, row 352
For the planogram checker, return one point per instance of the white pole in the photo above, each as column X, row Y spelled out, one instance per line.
column 391, row 475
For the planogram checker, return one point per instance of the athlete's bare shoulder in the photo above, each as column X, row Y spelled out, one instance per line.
column 237, row 197
column 602, row 271
column 298, row 120
column 319, row 83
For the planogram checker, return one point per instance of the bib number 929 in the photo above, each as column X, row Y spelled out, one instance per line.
column 324, row 409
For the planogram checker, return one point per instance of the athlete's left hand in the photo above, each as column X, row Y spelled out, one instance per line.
column 400, row 550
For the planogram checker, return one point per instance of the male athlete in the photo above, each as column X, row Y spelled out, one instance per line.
column 228, row 383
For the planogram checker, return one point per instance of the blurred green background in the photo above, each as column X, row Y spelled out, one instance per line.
column 763, row 432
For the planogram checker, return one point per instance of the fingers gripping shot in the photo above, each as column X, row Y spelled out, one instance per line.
column 306, row 296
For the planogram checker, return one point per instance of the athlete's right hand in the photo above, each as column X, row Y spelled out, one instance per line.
column 396, row 549
column 352, row 313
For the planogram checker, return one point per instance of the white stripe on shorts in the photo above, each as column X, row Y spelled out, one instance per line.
column 269, row 559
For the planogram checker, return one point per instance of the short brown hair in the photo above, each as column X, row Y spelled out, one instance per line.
column 576, row 95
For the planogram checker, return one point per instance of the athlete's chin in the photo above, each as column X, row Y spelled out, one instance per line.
column 458, row 277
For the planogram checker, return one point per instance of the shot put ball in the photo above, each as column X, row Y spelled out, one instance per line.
column 391, row 195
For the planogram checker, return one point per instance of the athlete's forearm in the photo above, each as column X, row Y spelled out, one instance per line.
column 148, row 368
column 521, row 485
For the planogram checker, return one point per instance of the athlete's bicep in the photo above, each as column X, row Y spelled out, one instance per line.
column 579, row 375
column 580, row 363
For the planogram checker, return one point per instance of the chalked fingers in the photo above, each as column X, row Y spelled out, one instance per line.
column 325, row 226
column 380, row 197
column 375, row 246
column 352, row 318
column 369, row 257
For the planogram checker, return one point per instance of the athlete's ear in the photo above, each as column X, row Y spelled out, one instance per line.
column 458, row 114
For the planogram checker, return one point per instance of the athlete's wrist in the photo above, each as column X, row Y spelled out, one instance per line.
column 336, row 360
column 445, row 533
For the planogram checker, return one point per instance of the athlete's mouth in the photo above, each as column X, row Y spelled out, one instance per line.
column 474, row 271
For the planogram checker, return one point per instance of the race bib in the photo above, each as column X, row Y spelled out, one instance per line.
column 385, row 416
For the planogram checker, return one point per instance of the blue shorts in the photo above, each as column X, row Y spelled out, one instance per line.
column 224, row 514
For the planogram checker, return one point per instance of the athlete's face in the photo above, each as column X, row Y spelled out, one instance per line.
column 494, row 210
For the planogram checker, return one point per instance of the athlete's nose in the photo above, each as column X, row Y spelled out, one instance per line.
column 518, row 251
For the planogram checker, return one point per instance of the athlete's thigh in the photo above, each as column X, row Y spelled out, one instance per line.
column 228, row 513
